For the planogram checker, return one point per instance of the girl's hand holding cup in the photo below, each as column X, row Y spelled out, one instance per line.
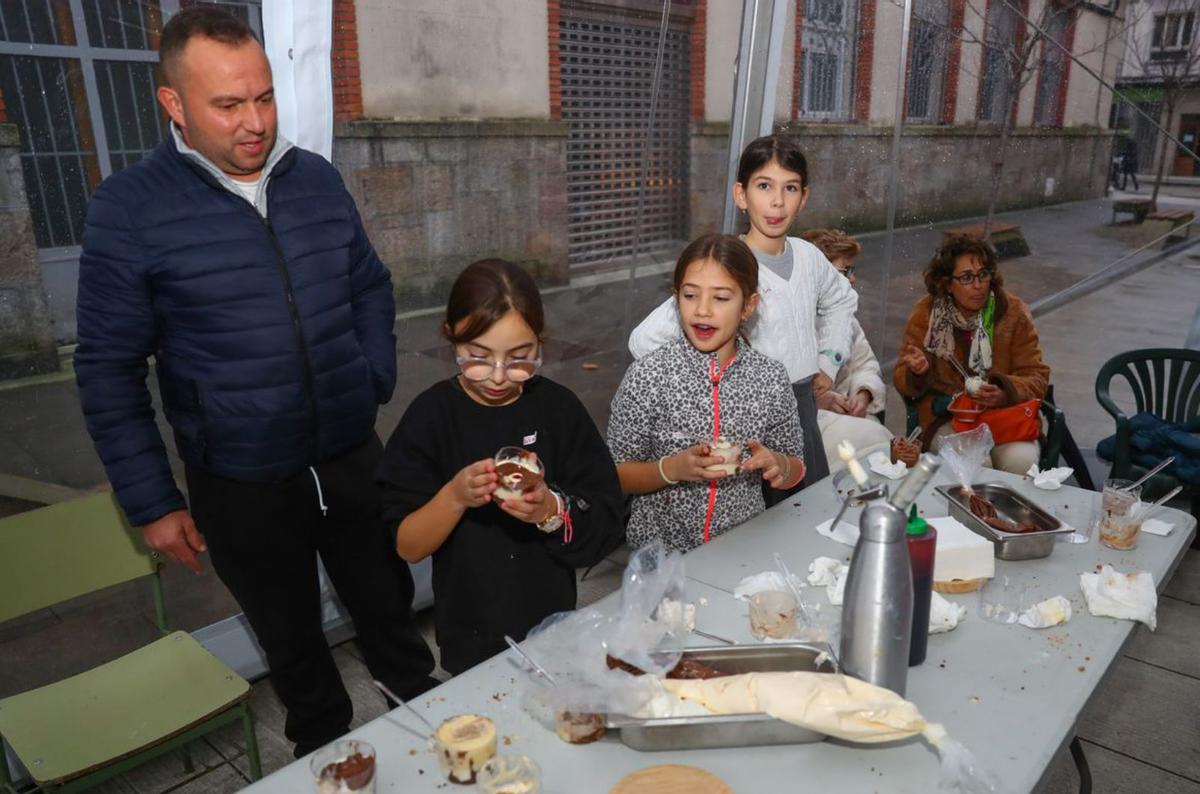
column 534, row 507
column 474, row 484
column 773, row 465
column 693, row 465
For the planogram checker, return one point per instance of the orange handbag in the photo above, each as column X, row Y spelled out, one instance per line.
column 1020, row 422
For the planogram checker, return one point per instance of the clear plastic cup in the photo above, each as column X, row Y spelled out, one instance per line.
column 1001, row 600
column 1118, row 524
column 510, row 774
column 773, row 614
column 345, row 766
column 1081, row 518
column 1121, row 531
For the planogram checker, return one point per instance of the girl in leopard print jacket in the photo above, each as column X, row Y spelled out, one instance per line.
column 708, row 385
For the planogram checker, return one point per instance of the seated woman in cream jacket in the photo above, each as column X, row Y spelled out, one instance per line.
column 847, row 411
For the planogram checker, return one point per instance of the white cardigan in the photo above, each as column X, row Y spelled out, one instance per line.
column 804, row 322
column 862, row 372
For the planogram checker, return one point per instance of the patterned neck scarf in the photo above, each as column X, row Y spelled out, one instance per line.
column 945, row 318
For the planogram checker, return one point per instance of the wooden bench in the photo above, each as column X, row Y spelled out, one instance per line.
column 1177, row 218
column 1006, row 238
column 1138, row 207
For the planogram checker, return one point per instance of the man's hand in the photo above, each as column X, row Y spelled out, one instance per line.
column 175, row 536
column 991, row 396
column 833, row 401
column 821, row 384
column 914, row 360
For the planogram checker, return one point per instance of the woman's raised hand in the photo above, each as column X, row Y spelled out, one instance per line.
column 474, row 484
column 914, row 359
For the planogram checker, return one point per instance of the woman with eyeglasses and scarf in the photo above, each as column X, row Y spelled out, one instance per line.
column 969, row 318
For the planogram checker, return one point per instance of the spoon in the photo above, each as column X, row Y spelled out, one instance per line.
column 787, row 577
column 382, row 688
column 1164, row 464
column 913, row 436
column 953, row 362
column 1153, row 507
column 537, row 667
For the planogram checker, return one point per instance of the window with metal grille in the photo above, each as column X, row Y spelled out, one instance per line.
column 1051, row 71
column 608, row 61
column 827, row 34
column 78, row 78
column 995, row 91
column 927, row 60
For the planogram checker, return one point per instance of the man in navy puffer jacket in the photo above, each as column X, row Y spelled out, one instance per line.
column 239, row 263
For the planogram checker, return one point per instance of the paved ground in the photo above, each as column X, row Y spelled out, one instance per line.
column 1141, row 734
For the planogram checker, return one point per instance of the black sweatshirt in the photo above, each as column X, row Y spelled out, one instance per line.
column 495, row 575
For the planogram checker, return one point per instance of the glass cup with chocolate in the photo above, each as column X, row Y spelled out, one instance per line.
column 1119, row 523
column 520, row 471
column 344, row 767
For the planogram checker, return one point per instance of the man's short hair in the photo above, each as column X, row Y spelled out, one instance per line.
column 198, row 20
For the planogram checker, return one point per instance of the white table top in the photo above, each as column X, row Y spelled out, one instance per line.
column 1009, row 693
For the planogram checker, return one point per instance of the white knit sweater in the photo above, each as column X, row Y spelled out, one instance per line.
column 804, row 323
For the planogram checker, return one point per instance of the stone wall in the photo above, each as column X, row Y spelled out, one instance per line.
column 26, row 332
column 436, row 196
column 945, row 174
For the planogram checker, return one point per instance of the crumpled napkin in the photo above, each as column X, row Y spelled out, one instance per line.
column 944, row 614
column 760, row 582
column 831, row 574
column 881, row 463
column 1050, row 479
column 1157, row 527
column 1045, row 614
column 846, row 533
column 1121, row 595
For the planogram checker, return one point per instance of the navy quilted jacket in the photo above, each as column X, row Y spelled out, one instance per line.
column 272, row 341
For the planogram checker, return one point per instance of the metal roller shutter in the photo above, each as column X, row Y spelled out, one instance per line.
column 607, row 61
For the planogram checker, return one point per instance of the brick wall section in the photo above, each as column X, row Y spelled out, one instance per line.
column 347, row 83
column 798, row 62
column 699, row 45
column 958, row 10
column 865, row 61
column 553, row 20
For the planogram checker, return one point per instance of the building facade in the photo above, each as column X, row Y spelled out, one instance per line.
column 1160, row 75
column 519, row 128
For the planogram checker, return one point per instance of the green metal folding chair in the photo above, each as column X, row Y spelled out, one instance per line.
column 78, row 732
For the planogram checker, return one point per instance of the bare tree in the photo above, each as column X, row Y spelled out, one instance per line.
column 1016, row 49
column 1163, row 51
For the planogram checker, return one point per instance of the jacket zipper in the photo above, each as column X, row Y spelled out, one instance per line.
column 309, row 379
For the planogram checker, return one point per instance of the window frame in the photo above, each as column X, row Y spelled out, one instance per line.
column 816, row 36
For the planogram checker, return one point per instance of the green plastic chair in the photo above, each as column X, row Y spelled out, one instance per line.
column 1165, row 381
column 78, row 732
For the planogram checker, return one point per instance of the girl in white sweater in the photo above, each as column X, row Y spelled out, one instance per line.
column 806, row 309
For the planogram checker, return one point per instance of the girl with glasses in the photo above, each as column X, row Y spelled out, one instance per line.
column 499, row 565
column 704, row 395
column 969, row 319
